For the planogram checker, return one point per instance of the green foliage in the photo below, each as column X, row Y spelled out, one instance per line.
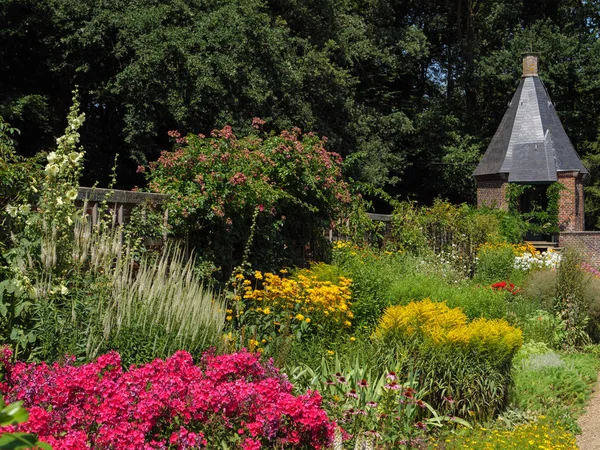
column 73, row 287
column 539, row 219
column 14, row 414
column 512, row 226
column 390, row 92
column 494, row 263
column 19, row 183
column 457, row 231
column 375, row 406
column 553, row 385
column 572, row 306
column 372, row 274
column 540, row 286
column 218, row 184
column 544, row 327
column 474, row 300
column 475, row 386
column 469, row 362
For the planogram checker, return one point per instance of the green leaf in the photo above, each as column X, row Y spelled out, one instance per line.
column 18, row 441
column 20, row 307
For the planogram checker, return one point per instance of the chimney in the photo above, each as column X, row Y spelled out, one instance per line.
column 530, row 65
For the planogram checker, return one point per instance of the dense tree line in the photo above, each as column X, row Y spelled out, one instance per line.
column 409, row 92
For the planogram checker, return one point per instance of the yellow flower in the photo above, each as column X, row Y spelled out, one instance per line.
column 352, row 339
column 299, row 317
column 228, row 318
column 258, row 275
column 239, row 276
column 307, row 320
column 330, row 352
column 267, row 310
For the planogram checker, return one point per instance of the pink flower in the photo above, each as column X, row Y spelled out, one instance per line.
column 251, row 444
column 257, row 122
column 97, row 402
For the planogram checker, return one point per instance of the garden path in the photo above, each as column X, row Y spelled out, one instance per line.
column 589, row 439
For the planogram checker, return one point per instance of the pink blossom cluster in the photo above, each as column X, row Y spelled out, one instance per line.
column 165, row 404
column 242, row 173
column 590, row 269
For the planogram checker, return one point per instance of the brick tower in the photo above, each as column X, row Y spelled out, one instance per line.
column 531, row 147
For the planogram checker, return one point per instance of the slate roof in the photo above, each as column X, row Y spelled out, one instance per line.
column 530, row 144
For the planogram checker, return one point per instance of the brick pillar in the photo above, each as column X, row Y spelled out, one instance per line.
column 570, row 204
column 580, row 222
column 491, row 191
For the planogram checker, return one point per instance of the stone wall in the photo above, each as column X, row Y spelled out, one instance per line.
column 588, row 242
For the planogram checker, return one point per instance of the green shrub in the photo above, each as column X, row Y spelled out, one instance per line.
column 221, row 187
column 372, row 274
column 469, row 362
column 475, row 301
column 572, row 305
column 540, row 286
column 495, row 263
column 378, row 407
column 543, row 326
column 450, row 229
column 554, row 385
column 155, row 309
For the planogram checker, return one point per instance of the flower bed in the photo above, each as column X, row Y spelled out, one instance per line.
column 231, row 399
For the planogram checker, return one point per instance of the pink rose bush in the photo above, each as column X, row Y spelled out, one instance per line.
column 170, row 404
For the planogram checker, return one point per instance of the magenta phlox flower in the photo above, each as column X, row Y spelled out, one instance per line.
column 169, row 403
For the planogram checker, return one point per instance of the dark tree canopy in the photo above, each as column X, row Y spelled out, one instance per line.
column 410, row 92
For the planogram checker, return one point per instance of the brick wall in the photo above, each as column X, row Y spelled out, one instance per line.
column 491, row 192
column 588, row 242
column 570, row 205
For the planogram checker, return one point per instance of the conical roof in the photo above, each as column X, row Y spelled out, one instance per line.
column 530, row 144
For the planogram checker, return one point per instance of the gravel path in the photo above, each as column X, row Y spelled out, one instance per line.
column 589, row 439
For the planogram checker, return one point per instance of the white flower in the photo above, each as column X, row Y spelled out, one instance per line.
column 52, row 170
column 63, row 289
column 51, row 157
column 59, row 200
column 12, row 210
column 75, row 157
column 24, row 209
column 72, row 194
